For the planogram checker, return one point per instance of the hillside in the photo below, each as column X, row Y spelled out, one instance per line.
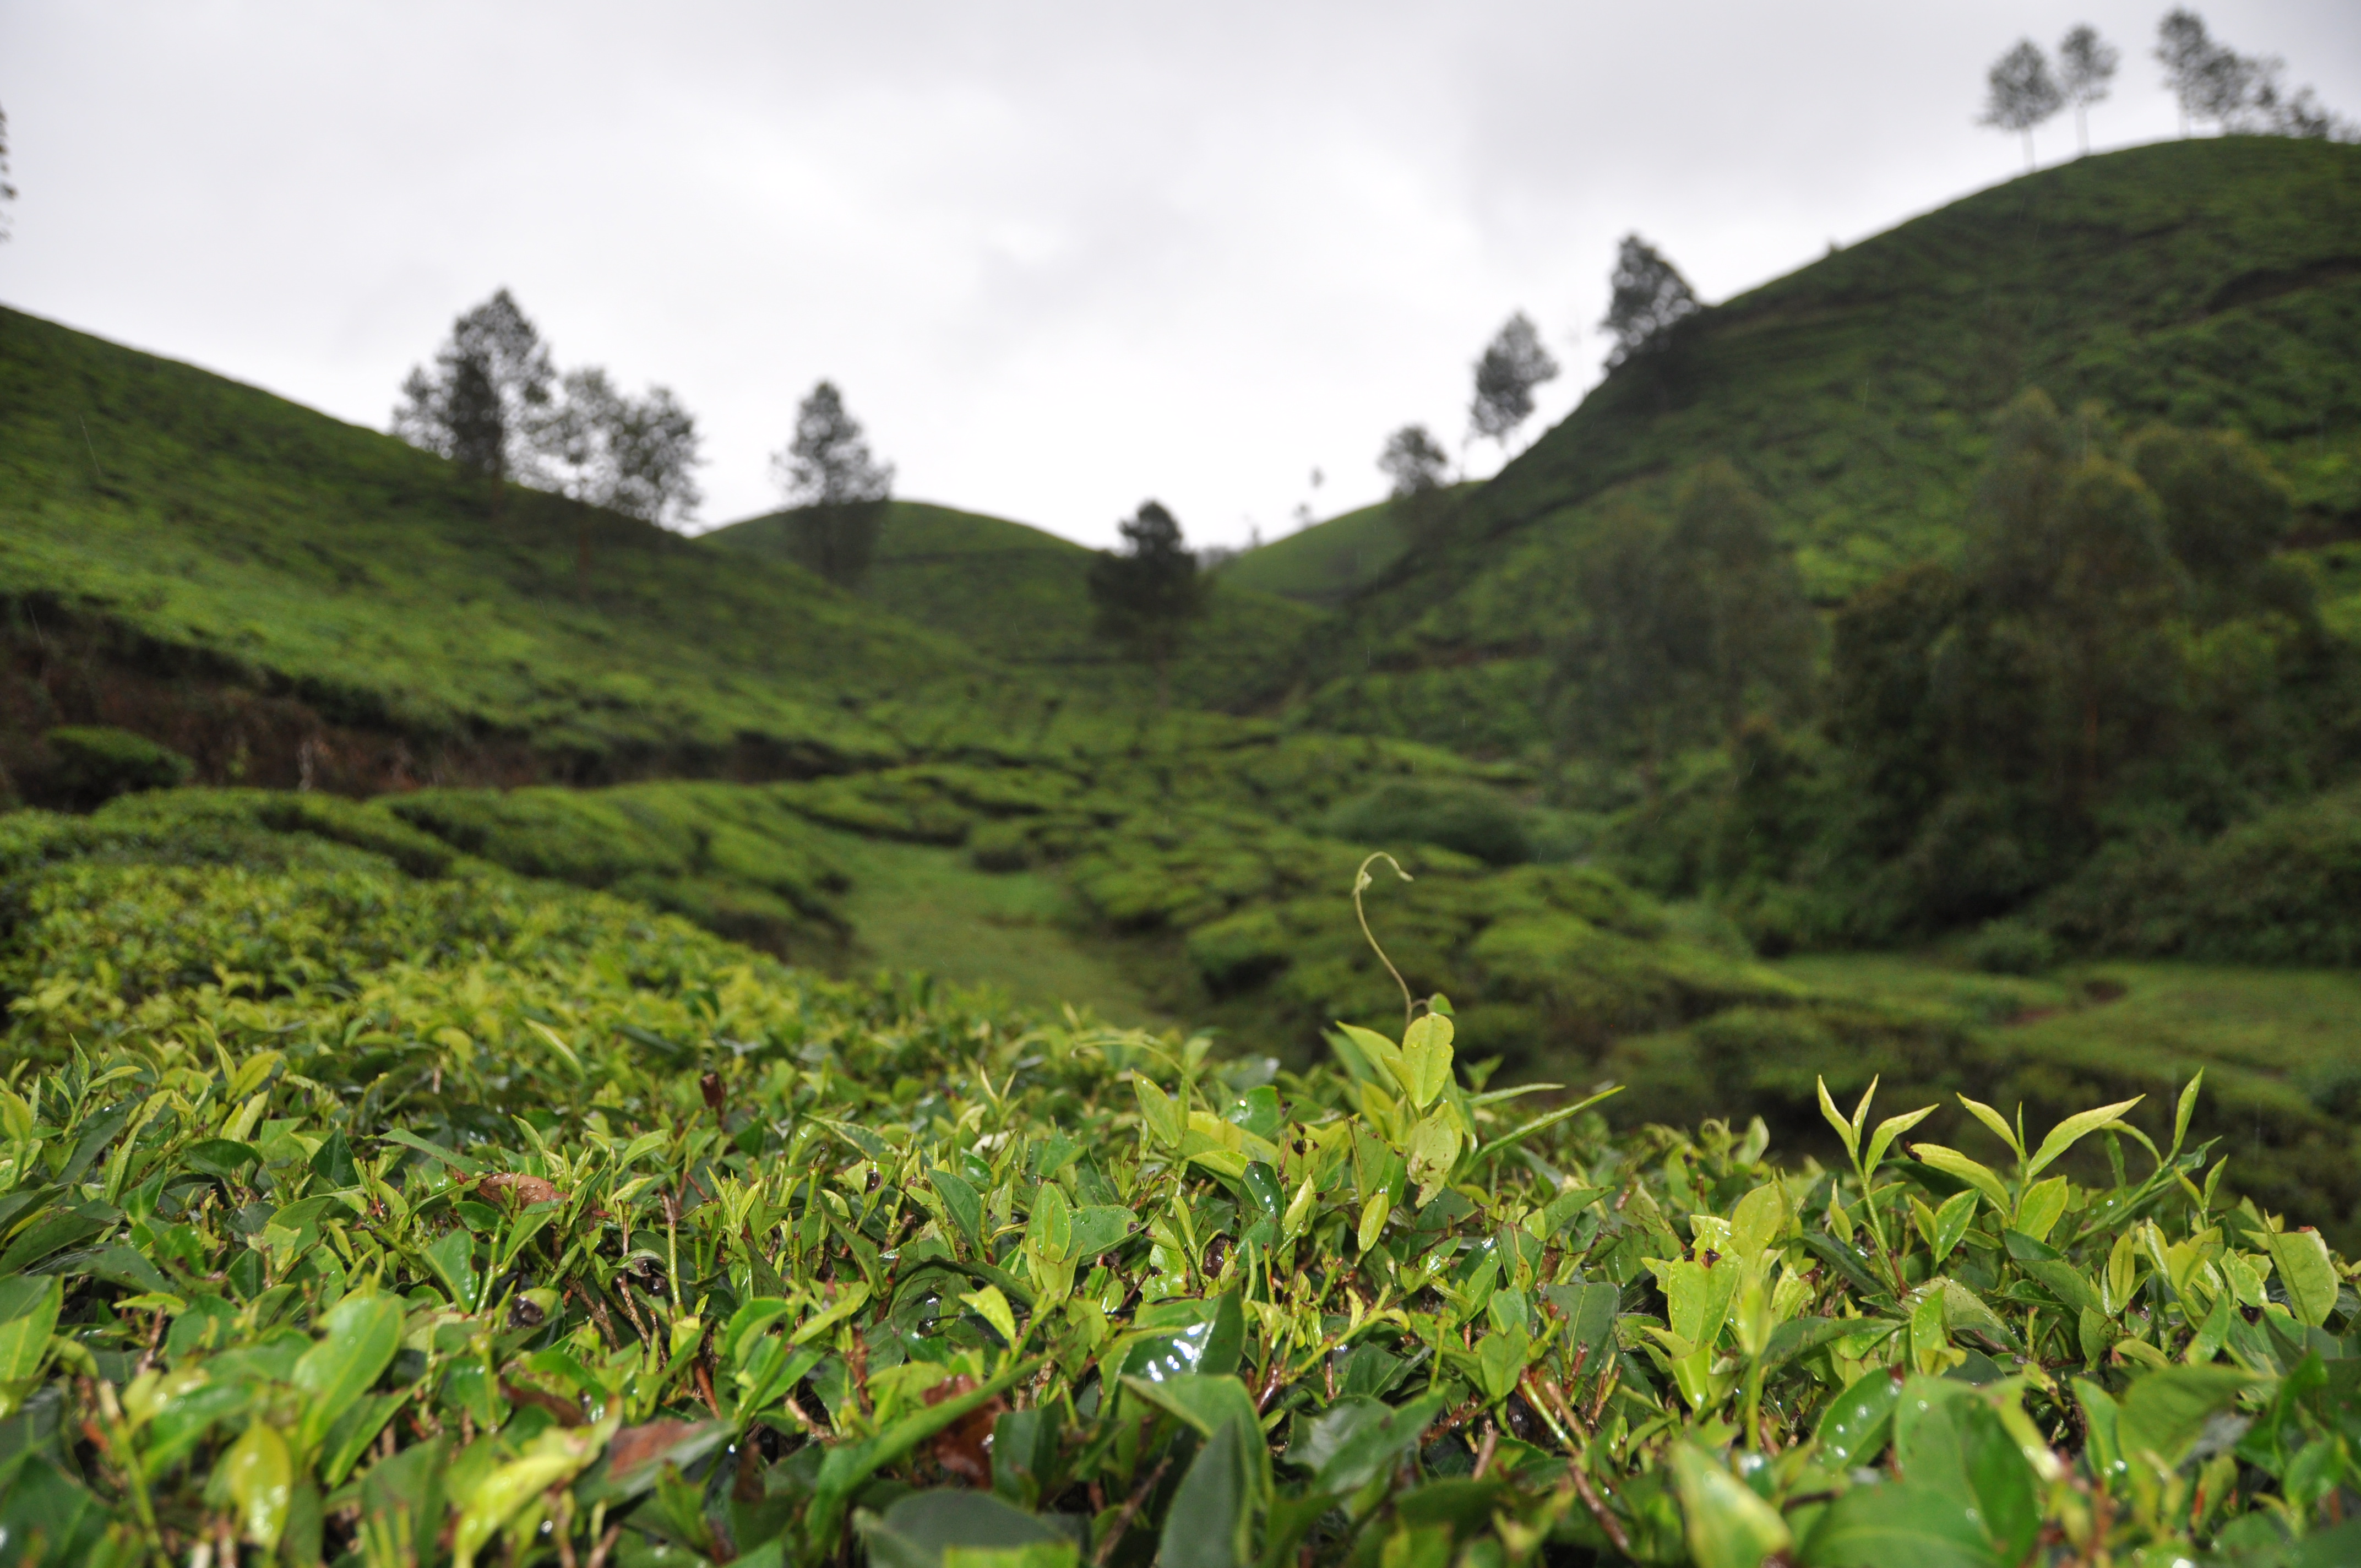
column 2213, row 282
column 277, row 593
column 1333, row 559
column 1020, row 595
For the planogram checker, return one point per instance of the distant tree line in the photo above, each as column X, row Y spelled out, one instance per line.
column 2211, row 81
column 7, row 191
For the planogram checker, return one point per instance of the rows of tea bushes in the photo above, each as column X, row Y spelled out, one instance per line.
column 475, row 1220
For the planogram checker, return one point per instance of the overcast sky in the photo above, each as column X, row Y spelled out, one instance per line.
column 1060, row 257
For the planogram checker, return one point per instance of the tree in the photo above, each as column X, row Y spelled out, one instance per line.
column 1514, row 363
column 828, row 473
column 2086, row 64
column 7, row 191
column 484, row 401
column 1651, row 299
column 2020, row 93
column 2239, row 93
column 629, row 455
column 1688, row 627
column 1420, row 468
column 1147, row 593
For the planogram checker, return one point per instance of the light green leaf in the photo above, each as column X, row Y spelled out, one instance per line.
column 1373, row 1219
column 2164, row 1412
column 360, row 1335
column 1997, row 1123
column 1858, row 1422
column 2183, row 1111
column 24, row 1339
column 1728, row 1526
column 260, row 1476
column 992, row 1306
column 2307, row 1271
column 1160, row 1111
column 2043, row 1205
column 1434, row 1149
column 1759, row 1220
column 2071, row 1131
column 1050, row 1229
column 1424, row 1067
column 1975, row 1173
column 1848, row 1131
column 849, row 1299
column 1890, row 1129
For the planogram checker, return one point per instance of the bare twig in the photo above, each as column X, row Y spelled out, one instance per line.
column 1131, row 1508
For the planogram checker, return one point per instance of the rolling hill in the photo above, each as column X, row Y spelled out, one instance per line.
column 2210, row 283
column 1328, row 562
column 1020, row 595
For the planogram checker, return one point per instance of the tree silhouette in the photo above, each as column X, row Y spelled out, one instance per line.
column 1513, row 364
column 1147, row 593
column 487, row 397
column 829, row 472
column 7, row 191
column 1651, row 299
column 2020, row 93
column 2086, row 64
column 1419, row 468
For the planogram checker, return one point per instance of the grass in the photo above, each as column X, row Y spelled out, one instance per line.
column 2208, row 282
column 1020, row 596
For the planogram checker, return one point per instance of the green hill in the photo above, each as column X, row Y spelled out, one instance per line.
column 1329, row 562
column 249, row 580
column 1020, row 595
column 2213, row 282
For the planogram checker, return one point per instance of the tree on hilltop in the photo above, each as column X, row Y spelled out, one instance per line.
column 1650, row 300
column 487, row 395
column 2020, row 93
column 2086, row 64
column 1420, row 468
column 7, row 191
column 840, row 488
column 629, row 455
column 1513, row 364
column 1147, row 593
column 2238, row 92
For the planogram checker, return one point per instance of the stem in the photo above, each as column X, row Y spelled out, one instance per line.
column 1361, row 878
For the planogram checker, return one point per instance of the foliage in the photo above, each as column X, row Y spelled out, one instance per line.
column 1649, row 300
column 1473, row 821
column 2086, row 65
column 96, row 762
column 2020, row 92
column 629, row 455
column 489, row 396
column 574, row 1231
column 1511, row 366
column 2238, row 92
column 1146, row 594
column 1686, row 625
column 2202, row 283
column 836, row 488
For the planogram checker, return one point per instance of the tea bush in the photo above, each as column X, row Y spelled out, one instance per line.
column 548, row 1230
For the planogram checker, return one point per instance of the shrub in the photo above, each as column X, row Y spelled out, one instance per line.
column 2012, row 946
column 94, row 764
column 1467, row 819
column 588, row 1234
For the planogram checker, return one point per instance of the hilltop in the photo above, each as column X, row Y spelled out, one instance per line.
column 166, row 532
column 1020, row 595
column 1333, row 559
column 2213, row 283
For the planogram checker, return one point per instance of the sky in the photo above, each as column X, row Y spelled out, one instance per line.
column 1060, row 258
